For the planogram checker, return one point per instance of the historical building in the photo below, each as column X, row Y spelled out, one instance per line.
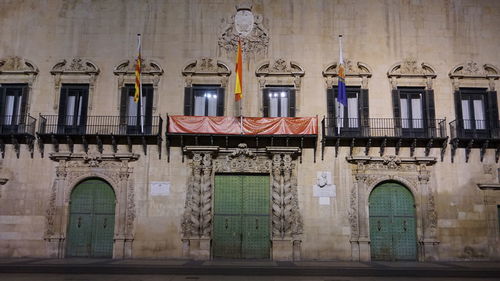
column 407, row 169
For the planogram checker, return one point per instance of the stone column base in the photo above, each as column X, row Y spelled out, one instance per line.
column 360, row 249
column 428, row 250
column 282, row 249
column 55, row 246
column 122, row 248
column 196, row 248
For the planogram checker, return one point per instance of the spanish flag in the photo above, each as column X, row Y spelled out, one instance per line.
column 138, row 71
column 238, row 89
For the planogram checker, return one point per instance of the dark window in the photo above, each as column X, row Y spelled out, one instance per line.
column 279, row 101
column 73, row 108
column 477, row 112
column 350, row 119
column 414, row 112
column 204, row 100
column 130, row 111
column 13, row 99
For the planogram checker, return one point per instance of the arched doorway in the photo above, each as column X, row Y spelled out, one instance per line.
column 392, row 223
column 92, row 220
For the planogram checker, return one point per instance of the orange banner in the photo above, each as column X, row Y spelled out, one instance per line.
column 226, row 125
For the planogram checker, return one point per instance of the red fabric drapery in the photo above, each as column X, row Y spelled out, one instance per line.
column 227, row 125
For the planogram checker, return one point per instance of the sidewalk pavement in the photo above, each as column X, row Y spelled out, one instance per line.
column 483, row 269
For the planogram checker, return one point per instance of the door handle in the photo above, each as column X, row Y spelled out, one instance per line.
column 379, row 226
column 105, row 222
column 79, row 222
column 404, row 225
column 226, row 225
column 256, row 223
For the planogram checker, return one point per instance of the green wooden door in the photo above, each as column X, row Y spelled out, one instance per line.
column 241, row 217
column 91, row 220
column 392, row 223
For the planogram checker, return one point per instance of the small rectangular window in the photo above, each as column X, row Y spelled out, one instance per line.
column 204, row 100
column 73, row 103
column 131, row 113
column 279, row 101
column 12, row 104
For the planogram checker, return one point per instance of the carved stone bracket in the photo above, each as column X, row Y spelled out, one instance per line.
column 206, row 71
column 352, row 70
column 76, row 70
column 151, row 72
column 72, row 168
column 368, row 172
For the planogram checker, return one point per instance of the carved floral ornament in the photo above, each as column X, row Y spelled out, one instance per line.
column 474, row 70
column 76, row 66
column 352, row 69
column 17, row 65
column 253, row 40
column 409, row 67
column 206, row 66
column 148, row 67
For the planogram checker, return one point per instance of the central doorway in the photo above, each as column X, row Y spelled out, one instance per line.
column 392, row 223
column 241, row 217
column 92, row 220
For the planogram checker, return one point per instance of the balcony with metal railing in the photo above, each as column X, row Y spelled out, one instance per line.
column 229, row 131
column 100, row 130
column 17, row 130
column 468, row 134
column 384, row 132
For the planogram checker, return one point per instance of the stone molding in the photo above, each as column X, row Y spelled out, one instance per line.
column 352, row 70
column 75, row 70
column 368, row 172
column 151, row 72
column 73, row 168
column 279, row 162
column 19, row 70
column 464, row 74
column 257, row 42
column 206, row 71
column 409, row 69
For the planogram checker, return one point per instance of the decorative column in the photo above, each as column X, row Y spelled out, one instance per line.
column 287, row 224
column 197, row 219
column 429, row 242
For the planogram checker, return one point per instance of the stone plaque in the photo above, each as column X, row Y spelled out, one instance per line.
column 160, row 188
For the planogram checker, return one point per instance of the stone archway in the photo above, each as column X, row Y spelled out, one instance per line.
column 72, row 169
column 278, row 162
column 413, row 173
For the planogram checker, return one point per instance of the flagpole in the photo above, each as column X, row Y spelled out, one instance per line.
column 141, row 103
column 341, row 61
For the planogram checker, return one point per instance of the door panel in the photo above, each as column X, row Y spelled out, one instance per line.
column 92, row 219
column 392, row 223
column 241, row 217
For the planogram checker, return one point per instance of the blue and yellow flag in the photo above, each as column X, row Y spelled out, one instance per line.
column 341, row 95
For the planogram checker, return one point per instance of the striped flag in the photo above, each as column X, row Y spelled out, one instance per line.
column 138, row 71
column 238, row 90
column 341, row 96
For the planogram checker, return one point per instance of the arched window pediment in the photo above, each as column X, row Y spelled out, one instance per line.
column 280, row 67
column 352, row 70
column 148, row 67
column 465, row 73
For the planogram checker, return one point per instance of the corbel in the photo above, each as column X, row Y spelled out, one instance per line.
column 398, row 146
column 55, row 143
column 468, row 149
column 158, row 143
column 483, row 149
column 69, row 140
column 367, row 147
column 412, row 147
column 114, row 144
column 454, row 146
column 85, row 144
column 382, row 147
column 2, row 147
column 17, row 146
column 443, row 148
column 337, row 145
column 352, row 146
column 428, row 147
column 100, row 147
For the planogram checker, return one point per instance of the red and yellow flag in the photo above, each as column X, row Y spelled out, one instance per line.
column 138, row 72
column 238, row 89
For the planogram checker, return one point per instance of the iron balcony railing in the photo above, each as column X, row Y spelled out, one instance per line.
column 384, row 127
column 474, row 129
column 17, row 125
column 100, row 125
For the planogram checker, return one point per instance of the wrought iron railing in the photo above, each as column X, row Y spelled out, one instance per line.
column 384, row 127
column 474, row 129
column 17, row 125
column 100, row 125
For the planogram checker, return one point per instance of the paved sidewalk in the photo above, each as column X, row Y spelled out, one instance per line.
column 251, row 268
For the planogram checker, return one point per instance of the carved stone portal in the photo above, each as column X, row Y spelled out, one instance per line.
column 278, row 162
column 71, row 170
column 368, row 172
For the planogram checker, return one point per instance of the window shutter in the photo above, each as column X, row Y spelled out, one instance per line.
column 61, row 120
column 220, row 102
column 148, row 110
column 493, row 111
column 2, row 98
column 188, row 101
column 458, row 105
column 85, row 101
column 265, row 102
column 291, row 103
column 24, row 102
column 396, row 107
column 429, row 104
column 123, row 105
column 364, row 111
column 330, row 103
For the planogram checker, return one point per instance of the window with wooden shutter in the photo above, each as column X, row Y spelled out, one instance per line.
column 130, row 111
column 73, row 104
column 279, row 101
column 204, row 100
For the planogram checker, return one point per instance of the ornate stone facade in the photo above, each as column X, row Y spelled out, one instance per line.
column 287, row 225
column 368, row 172
column 74, row 168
